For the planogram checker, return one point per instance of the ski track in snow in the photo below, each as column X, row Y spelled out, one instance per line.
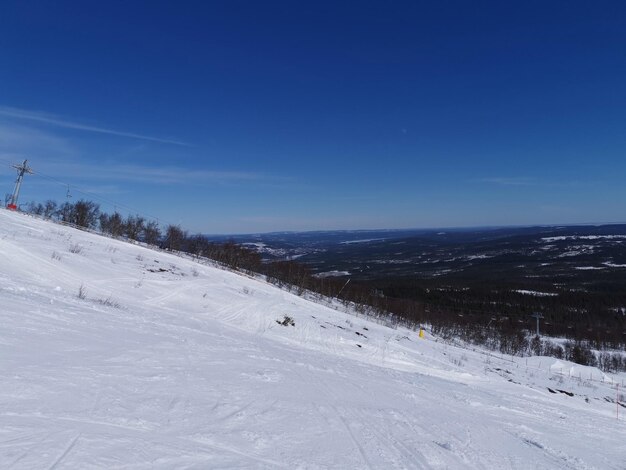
column 167, row 363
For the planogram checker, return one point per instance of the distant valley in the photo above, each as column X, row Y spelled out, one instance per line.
column 574, row 275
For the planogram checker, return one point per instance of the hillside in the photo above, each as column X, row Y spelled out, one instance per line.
column 113, row 355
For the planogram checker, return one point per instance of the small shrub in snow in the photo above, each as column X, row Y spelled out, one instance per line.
column 286, row 321
column 56, row 256
column 108, row 302
column 76, row 248
column 457, row 361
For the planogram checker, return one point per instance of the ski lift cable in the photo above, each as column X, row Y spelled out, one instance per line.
column 97, row 196
column 94, row 196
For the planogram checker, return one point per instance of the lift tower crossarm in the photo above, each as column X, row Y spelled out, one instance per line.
column 21, row 171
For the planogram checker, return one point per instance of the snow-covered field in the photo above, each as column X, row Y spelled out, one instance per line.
column 162, row 362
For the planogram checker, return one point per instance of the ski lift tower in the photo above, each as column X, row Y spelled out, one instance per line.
column 21, row 171
column 538, row 316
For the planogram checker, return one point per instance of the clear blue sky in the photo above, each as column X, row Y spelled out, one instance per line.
column 231, row 117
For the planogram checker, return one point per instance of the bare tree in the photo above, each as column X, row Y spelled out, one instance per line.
column 152, row 233
column 134, row 227
column 174, row 238
column 85, row 213
column 50, row 208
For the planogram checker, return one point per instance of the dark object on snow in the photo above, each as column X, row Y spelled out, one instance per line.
column 287, row 320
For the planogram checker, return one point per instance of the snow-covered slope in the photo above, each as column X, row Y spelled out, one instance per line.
column 162, row 362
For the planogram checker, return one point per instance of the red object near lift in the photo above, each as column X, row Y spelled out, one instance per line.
column 12, row 207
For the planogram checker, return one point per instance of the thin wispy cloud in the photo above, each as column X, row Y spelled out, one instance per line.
column 510, row 181
column 51, row 119
column 527, row 181
column 151, row 175
column 105, row 190
column 20, row 140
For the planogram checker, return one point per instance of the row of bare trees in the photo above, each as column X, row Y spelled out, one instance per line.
column 87, row 214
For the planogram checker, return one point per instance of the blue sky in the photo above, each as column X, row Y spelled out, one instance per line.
column 235, row 117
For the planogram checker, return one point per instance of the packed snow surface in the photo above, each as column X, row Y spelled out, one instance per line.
column 366, row 240
column 333, row 274
column 113, row 355
column 582, row 237
column 536, row 293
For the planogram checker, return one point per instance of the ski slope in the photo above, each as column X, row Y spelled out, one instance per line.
column 162, row 362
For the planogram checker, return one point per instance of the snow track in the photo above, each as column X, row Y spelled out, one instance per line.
column 166, row 363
